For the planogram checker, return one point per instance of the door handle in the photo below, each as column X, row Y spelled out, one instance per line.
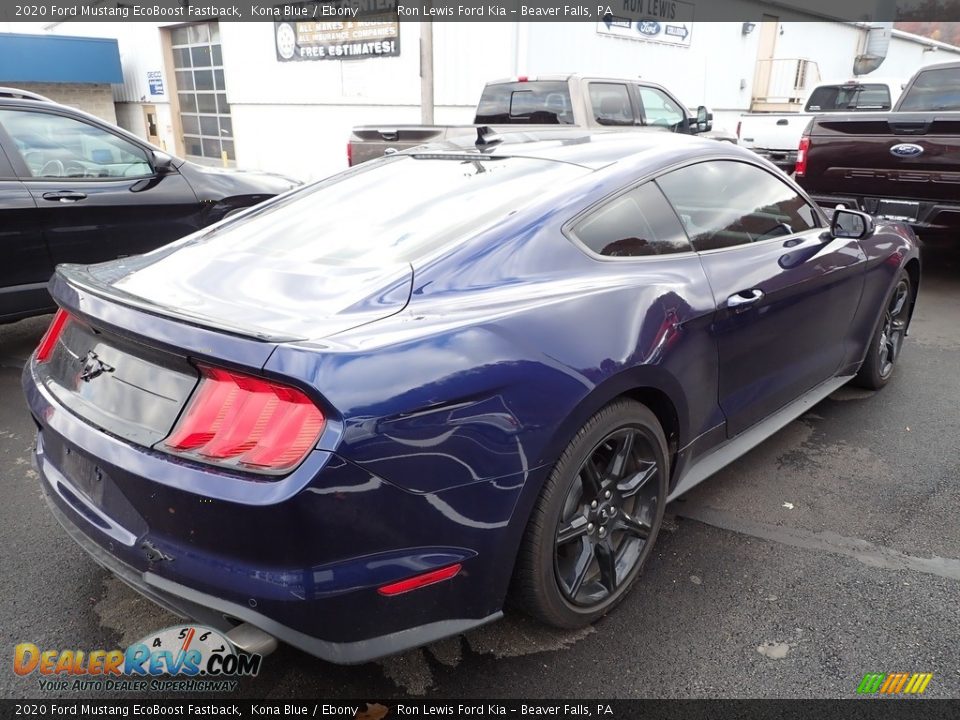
column 744, row 299
column 65, row 196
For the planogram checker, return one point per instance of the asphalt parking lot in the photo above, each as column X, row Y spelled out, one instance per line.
column 830, row 551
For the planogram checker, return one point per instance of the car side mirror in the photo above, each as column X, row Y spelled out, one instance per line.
column 162, row 163
column 851, row 224
column 703, row 121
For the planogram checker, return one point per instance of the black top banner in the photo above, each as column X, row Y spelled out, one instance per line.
column 463, row 10
column 526, row 709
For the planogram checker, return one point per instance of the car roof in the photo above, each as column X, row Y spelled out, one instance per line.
column 941, row 66
column 566, row 77
column 18, row 94
column 588, row 148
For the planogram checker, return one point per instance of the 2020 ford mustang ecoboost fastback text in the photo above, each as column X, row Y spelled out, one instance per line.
column 358, row 416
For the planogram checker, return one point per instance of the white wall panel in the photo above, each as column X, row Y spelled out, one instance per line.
column 254, row 75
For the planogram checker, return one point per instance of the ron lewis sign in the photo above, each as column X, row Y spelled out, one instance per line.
column 662, row 21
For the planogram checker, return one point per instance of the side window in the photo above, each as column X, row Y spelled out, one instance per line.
column 659, row 109
column 54, row 146
column 611, row 104
column 851, row 96
column 934, row 90
column 640, row 222
column 723, row 203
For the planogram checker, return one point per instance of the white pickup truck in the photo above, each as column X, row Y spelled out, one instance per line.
column 776, row 136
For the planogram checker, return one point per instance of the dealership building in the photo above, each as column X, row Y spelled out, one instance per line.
column 282, row 96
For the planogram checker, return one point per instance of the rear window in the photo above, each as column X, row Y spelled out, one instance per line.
column 934, row 90
column 532, row 103
column 392, row 210
column 866, row 96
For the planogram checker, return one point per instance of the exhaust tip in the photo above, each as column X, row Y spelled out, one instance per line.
column 252, row 639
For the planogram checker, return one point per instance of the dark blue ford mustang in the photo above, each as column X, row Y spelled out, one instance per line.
column 358, row 416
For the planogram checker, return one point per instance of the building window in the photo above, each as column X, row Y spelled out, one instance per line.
column 204, row 112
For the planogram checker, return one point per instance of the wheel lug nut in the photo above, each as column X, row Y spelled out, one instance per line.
column 589, row 527
column 602, row 532
column 607, row 494
column 613, row 511
column 594, row 505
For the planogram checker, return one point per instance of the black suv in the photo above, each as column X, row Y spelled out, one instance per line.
column 76, row 189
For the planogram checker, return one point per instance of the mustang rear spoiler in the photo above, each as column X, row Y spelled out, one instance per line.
column 81, row 279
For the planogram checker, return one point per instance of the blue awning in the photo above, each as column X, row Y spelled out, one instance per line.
column 58, row 59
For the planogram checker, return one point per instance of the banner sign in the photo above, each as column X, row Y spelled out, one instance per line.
column 662, row 21
column 337, row 40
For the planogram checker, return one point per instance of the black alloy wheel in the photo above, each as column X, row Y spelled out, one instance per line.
column 893, row 328
column 607, row 517
column 887, row 342
column 596, row 519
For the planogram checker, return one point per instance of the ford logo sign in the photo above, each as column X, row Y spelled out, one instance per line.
column 648, row 27
column 906, row 150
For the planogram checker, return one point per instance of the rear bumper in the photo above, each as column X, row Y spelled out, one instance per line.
column 303, row 567
column 784, row 159
column 222, row 615
column 933, row 218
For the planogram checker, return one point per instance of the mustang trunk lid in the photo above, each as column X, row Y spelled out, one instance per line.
column 128, row 389
column 268, row 298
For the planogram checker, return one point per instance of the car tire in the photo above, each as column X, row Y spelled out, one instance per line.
column 596, row 520
column 887, row 341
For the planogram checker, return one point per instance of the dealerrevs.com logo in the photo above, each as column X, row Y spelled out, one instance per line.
column 894, row 683
column 187, row 658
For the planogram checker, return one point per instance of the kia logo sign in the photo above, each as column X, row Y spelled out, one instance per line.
column 906, row 150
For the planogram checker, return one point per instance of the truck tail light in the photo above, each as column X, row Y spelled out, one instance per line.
column 246, row 423
column 349, row 154
column 52, row 335
column 801, row 166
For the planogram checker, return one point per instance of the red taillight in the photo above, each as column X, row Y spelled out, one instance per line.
column 523, row 78
column 801, row 167
column 349, row 154
column 419, row 581
column 246, row 422
column 49, row 341
column 739, row 123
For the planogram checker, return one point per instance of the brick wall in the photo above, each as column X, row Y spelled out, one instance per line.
column 94, row 98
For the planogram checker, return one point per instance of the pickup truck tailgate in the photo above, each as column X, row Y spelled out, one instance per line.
column 773, row 132
column 906, row 155
column 369, row 142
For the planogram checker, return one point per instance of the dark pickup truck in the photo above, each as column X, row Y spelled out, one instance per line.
column 902, row 165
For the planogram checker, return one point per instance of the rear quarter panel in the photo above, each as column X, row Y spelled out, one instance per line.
column 489, row 373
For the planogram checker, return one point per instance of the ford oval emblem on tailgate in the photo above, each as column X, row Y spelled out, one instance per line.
column 906, row 150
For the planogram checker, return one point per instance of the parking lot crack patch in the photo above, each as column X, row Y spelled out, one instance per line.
column 860, row 550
